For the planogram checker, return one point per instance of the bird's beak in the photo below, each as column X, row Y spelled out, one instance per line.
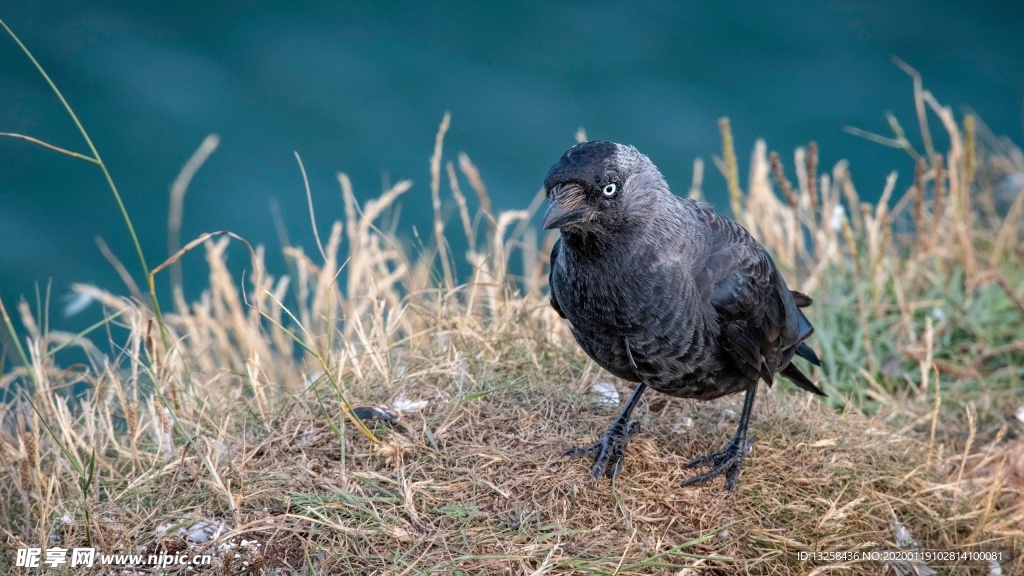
column 557, row 216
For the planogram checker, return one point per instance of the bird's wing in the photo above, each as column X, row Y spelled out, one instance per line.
column 551, row 277
column 742, row 285
column 737, row 273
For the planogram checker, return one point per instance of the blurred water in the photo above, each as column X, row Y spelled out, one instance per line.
column 362, row 89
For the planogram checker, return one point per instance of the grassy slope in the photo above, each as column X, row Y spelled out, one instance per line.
column 240, row 419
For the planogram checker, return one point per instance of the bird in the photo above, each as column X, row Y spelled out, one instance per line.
column 663, row 291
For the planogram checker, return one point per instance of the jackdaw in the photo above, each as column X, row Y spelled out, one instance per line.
column 662, row 291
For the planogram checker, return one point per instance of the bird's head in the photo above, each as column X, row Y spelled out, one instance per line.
column 602, row 188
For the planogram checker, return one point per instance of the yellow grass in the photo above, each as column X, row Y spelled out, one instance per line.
column 242, row 420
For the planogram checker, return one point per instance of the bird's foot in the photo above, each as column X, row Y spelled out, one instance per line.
column 728, row 462
column 608, row 452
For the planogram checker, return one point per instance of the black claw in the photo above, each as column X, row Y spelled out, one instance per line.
column 608, row 452
column 728, row 462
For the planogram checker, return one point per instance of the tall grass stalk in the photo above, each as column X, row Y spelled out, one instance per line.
column 94, row 158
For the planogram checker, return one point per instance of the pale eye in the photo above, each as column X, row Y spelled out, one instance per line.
column 610, row 189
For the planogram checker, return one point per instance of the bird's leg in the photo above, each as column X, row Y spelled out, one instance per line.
column 730, row 460
column 608, row 451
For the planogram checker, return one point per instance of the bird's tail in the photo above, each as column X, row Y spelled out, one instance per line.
column 802, row 350
column 797, row 377
column 807, row 353
column 800, row 299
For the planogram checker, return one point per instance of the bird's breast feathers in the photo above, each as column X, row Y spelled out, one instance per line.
column 621, row 297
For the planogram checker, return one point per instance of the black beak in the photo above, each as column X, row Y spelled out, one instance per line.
column 558, row 217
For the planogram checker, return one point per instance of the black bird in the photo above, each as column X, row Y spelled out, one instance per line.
column 662, row 291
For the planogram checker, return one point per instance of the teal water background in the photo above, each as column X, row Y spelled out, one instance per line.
column 362, row 88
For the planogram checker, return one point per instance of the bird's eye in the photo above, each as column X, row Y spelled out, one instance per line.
column 609, row 190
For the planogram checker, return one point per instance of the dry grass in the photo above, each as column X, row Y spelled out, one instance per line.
column 240, row 419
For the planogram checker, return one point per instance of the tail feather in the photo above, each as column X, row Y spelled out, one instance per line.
column 807, row 353
column 802, row 350
column 798, row 378
column 800, row 299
